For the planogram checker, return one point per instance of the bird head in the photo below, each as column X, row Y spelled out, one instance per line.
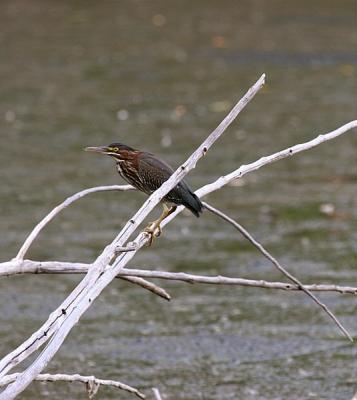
column 117, row 150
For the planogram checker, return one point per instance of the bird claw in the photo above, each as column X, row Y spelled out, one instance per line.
column 153, row 231
column 151, row 238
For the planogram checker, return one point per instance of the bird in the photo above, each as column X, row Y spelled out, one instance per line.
column 146, row 172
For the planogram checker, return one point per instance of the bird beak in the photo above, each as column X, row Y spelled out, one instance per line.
column 100, row 149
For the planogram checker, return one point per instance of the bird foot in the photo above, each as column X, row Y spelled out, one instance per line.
column 154, row 230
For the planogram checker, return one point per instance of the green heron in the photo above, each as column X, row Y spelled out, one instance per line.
column 147, row 173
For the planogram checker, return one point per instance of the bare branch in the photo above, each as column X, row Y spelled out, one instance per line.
column 57, row 267
column 276, row 263
column 290, row 151
column 91, row 381
column 223, row 280
column 17, row 267
column 38, row 228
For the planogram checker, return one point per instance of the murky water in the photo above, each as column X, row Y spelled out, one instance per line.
column 160, row 76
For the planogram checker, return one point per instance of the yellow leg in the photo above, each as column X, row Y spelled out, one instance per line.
column 154, row 228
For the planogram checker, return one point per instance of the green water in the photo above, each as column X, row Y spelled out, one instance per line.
column 160, row 76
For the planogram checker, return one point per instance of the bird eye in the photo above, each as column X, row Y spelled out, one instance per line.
column 116, row 149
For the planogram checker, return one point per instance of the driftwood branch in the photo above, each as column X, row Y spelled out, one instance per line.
column 92, row 383
column 57, row 267
column 62, row 320
column 35, row 341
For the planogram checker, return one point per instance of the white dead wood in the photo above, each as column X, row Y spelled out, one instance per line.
column 92, row 383
column 58, row 267
column 18, row 267
column 224, row 280
column 62, row 320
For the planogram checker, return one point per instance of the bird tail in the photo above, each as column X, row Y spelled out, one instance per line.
column 193, row 203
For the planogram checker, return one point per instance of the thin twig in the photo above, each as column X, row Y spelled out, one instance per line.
column 276, row 263
column 148, row 286
column 124, row 249
column 87, row 380
column 157, row 394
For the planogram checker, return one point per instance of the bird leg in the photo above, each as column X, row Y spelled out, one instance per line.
column 154, row 228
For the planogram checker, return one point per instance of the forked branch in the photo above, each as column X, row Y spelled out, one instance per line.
column 102, row 272
column 62, row 320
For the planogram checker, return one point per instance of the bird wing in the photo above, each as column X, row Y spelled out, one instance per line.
column 153, row 171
